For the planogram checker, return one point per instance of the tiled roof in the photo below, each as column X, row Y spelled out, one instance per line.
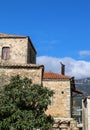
column 14, row 65
column 51, row 75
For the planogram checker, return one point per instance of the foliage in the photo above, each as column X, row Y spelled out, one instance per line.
column 23, row 105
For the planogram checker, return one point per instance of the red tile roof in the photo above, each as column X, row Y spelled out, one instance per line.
column 51, row 75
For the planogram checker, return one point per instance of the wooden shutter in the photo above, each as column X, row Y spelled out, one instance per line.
column 5, row 53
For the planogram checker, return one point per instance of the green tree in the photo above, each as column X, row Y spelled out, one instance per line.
column 23, row 105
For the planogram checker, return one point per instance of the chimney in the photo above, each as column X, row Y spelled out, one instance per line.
column 62, row 69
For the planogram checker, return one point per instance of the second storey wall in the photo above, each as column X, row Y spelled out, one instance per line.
column 31, row 54
column 18, row 49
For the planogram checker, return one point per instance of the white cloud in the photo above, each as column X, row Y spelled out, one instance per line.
column 76, row 68
column 84, row 53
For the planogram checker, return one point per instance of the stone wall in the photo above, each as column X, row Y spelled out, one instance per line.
column 61, row 101
column 34, row 73
column 31, row 55
column 18, row 49
column 65, row 124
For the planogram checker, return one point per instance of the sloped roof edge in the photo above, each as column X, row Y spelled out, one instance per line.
column 77, row 91
column 52, row 75
column 13, row 65
column 2, row 35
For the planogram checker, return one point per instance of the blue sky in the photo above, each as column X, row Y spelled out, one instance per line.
column 59, row 30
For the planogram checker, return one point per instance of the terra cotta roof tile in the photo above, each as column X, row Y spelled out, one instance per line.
column 51, row 75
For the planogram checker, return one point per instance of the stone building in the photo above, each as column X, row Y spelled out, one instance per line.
column 61, row 102
column 17, row 49
column 64, row 87
column 18, row 56
column 86, row 113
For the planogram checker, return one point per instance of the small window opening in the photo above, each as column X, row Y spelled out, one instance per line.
column 62, row 92
column 5, row 53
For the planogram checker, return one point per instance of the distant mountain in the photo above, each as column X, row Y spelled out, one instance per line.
column 83, row 80
column 83, row 85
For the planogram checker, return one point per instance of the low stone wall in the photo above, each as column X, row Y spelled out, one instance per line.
column 65, row 124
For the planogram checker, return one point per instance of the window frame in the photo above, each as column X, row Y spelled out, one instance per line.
column 5, row 53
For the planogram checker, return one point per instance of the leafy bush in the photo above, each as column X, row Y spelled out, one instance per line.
column 23, row 105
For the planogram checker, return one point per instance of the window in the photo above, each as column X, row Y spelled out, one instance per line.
column 62, row 92
column 5, row 53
